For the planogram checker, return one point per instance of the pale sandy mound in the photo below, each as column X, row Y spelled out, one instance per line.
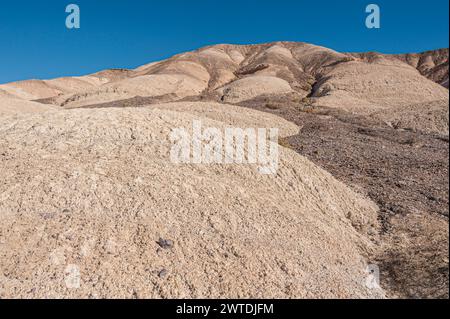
column 253, row 86
column 144, row 67
column 44, row 89
column 145, row 86
column 31, row 89
column 76, row 84
column 431, row 117
column 86, row 195
column 10, row 106
column 367, row 87
column 236, row 56
column 315, row 59
column 113, row 75
column 215, row 54
column 388, row 88
column 194, row 70
column 233, row 116
column 279, row 50
column 189, row 68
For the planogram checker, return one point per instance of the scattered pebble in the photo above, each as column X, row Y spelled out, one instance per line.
column 163, row 273
column 165, row 243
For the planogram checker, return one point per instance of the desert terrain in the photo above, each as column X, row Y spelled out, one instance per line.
column 91, row 205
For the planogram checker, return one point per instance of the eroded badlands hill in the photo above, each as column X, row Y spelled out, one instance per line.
column 367, row 84
column 88, row 190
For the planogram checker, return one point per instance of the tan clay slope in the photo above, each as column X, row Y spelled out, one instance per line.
column 432, row 64
column 238, row 73
column 5, row 94
column 365, row 83
column 428, row 117
column 44, row 89
column 70, row 206
column 381, row 84
column 288, row 60
column 11, row 106
column 217, row 68
column 30, row 89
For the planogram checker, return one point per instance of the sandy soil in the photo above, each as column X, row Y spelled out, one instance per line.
column 89, row 198
column 11, row 106
column 71, row 207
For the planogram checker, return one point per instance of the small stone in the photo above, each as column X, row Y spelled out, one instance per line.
column 163, row 273
column 165, row 243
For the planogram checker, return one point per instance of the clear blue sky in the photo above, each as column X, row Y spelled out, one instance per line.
column 34, row 42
